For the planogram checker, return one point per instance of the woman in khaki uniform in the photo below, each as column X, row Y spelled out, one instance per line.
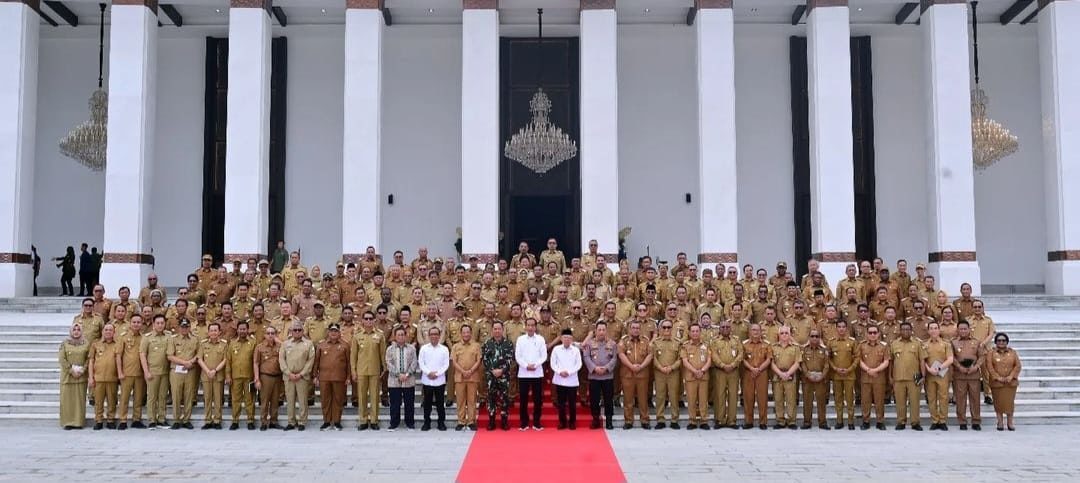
column 1003, row 364
column 73, row 356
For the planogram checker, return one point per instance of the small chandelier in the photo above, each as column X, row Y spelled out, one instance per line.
column 540, row 145
column 990, row 141
column 86, row 143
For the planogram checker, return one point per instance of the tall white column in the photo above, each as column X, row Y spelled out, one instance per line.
column 361, row 196
column 247, row 149
column 18, row 114
column 599, row 128
column 719, row 217
column 1059, row 50
column 480, row 145
column 950, row 173
column 133, row 34
column 832, row 190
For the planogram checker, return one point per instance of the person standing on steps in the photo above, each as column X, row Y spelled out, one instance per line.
column 497, row 355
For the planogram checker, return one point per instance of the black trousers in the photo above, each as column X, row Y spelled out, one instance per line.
column 66, row 288
column 605, row 390
column 86, row 284
column 525, row 386
column 399, row 395
column 434, row 395
column 566, row 399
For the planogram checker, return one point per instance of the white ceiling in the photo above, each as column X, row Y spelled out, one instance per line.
column 523, row 12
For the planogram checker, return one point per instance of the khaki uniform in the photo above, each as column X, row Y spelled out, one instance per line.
column 907, row 359
column 466, row 356
column 367, row 353
column 91, row 326
column 331, row 368
column 240, row 370
column 937, row 387
column 103, row 357
column 696, row 356
column 635, row 385
column 755, row 388
column 133, row 384
column 268, row 364
column 815, row 360
column 665, row 353
column 726, row 351
column 873, row 387
column 297, row 357
column 183, row 384
column 1004, row 364
column 969, row 353
column 784, row 358
column 842, row 356
column 154, row 348
column 72, row 388
column 212, row 355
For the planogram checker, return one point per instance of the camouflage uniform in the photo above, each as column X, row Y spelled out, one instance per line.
column 497, row 355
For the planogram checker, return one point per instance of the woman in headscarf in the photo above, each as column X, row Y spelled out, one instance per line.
column 73, row 356
column 1003, row 363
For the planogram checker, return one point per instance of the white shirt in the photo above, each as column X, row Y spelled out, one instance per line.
column 566, row 359
column 433, row 359
column 530, row 350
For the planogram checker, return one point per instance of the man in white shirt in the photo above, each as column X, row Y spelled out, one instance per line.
column 565, row 363
column 530, row 352
column 434, row 360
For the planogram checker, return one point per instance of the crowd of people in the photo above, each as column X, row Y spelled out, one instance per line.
column 649, row 338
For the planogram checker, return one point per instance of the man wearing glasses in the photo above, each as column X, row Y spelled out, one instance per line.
column 873, row 356
column 367, row 352
column 815, row 387
column 267, row 362
column 297, row 359
column 666, row 364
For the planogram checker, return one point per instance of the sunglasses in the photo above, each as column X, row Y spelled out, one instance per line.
column 665, row 326
column 88, row 305
column 296, row 330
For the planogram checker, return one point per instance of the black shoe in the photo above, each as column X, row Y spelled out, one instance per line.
column 362, row 426
column 188, row 425
column 976, row 427
column 839, row 426
column 151, row 425
column 234, row 426
column 704, row 426
column 251, row 426
column 459, row 427
column 880, row 426
column 628, row 426
column 441, row 427
column 963, row 427
column 374, row 426
column 717, row 425
column 778, row 426
column 851, row 427
column 426, row 427
column 472, row 427
column 806, row 426
column 98, row 426
column 69, row 428
column 262, row 427
column 674, row 425
column 763, row 426
column 337, row 427
column 792, row 426
column 916, row 427
column 562, row 426
column 273, row 426
column 290, row 427
column 935, row 426
column 661, row 425
column 138, row 425
column 110, row 425
column 608, row 425
column 121, row 426
column 865, row 426
column 505, row 425
column 324, row 426
column 449, row 404
column 175, row 426
column 646, row 426
column 208, row 426
column 594, row 425
column 944, row 427
column 988, row 400
column 691, row 426
column 299, row 427
column 901, row 427
column 572, row 426
column 748, row 426
column 491, row 424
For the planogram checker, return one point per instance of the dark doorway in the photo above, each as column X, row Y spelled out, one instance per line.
column 534, row 207
column 862, row 129
column 214, row 135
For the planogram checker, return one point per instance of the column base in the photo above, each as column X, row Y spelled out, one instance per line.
column 1063, row 277
column 950, row 275
column 16, row 280
column 125, row 270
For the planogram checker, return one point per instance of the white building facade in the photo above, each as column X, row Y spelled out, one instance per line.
column 685, row 132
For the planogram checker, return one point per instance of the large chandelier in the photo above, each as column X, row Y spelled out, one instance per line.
column 540, row 145
column 86, row 143
column 990, row 141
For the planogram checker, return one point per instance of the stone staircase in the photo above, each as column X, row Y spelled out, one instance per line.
column 1048, row 342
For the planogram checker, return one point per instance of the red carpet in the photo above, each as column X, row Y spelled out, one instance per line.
column 541, row 456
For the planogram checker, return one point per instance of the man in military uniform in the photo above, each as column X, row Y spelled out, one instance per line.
column 842, row 365
column 211, row 359
column 756, row 362
column 908, row 355
column 696, row 360
column 297, row 358
column 239, row 372
column 969, row 354
column 269, row 381
column 183, row 351
column 106, row 371
column 331, row 372
column 785, row 364
column 815, row 384
column 666, row 365
column 153, row 355
column 873, row 356
column 635, row 356
column 497, row 354
column 367, row 352
column 133, row 385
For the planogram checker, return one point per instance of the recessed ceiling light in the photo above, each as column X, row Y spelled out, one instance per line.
column 860, row 9
column 324, row 11
column 431, row 10
column 647, row 10
column 218, row 10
